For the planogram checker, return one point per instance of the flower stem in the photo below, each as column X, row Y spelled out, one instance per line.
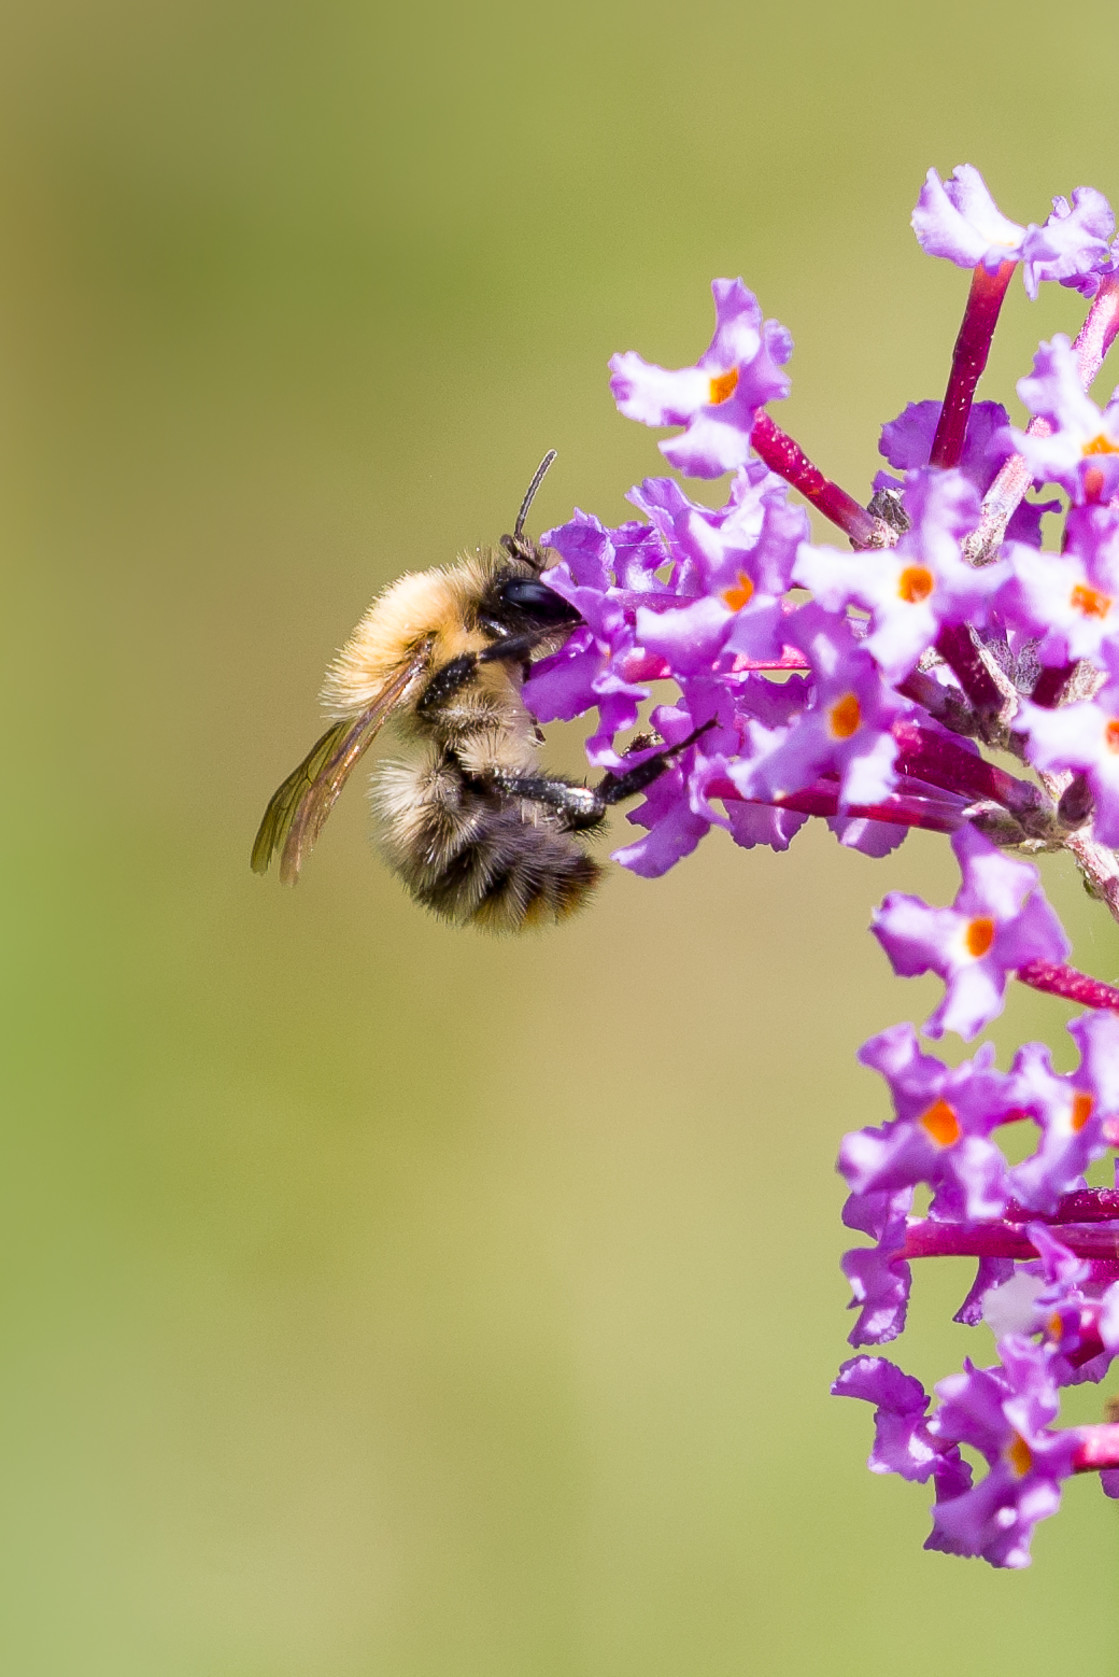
column 927, row 756
column 1055, row 979
column 1097, row 1447
column 926, row 1237
column 1083, row 1205
column 969, row 357
column 1093, row 341
column 896, row 809
column 960, row 652
column 786, row 457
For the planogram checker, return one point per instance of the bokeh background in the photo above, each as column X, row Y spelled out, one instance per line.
column 379, row 1299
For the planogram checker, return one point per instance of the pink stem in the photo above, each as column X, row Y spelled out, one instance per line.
column 960, row 653
column 1049, row 688
column 897, row 809
column 1083, row 1205
column 925, row 1237
column 940, row 762
column 786, row 457
column 649, row 666
column 1055, row 979
column 1093, row 341
column 969, row 357
column 1097, row 1447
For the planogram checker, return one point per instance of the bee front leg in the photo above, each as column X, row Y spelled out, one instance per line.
column 612, row 788
column 458, row 672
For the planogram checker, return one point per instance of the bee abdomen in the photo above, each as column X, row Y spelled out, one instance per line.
column 498, row 865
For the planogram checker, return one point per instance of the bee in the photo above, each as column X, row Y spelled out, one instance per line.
column 468, row 821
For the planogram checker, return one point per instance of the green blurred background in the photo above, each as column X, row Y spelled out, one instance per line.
column 379, row 1299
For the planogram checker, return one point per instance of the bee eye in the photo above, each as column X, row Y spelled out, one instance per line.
column 535, row 600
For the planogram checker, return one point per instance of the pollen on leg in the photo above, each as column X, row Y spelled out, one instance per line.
column 979, row 935
column 915, row 584
column 723, row 386
column 844, row 717
column 940, row 1123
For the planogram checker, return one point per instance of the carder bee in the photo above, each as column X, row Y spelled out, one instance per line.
column 477, row 832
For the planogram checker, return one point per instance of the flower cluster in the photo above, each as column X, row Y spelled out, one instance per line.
column 861, row 686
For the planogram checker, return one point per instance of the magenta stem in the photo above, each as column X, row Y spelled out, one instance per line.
column 786, row 457
column 1055, row 979
column 897, row 809
column 1093, row 341
column 1049, row 688
column 969, row 357
column 1083, row 1205
column 639, row 665
column 1097, row 1447
column 1098, row 332
column 925, row 1237
column 960, row 653
column 929, row 757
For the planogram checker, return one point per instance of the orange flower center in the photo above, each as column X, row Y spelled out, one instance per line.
column 941, row 1123
column 1082, row 1104
column 1055, row 1326
column 1111, row 734
column 980, row 935
column 1089, row 602
column 723, row 386
column 844, row 717
column 741, row 594
column 1100, row 445
column 915, row 584
column 1019, row 1455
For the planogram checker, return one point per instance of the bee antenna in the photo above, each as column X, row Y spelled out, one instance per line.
column 515, row 545
column 530, row 495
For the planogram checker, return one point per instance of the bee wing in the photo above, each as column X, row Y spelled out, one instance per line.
column 297, row 809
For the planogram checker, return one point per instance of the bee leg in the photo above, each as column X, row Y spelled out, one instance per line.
column 445, row 683
column 583, row 807
column 580, row 806
column 612, row 788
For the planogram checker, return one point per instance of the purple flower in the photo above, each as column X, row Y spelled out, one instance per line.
column 1073, row 245
column 941, row 1132
column 731, row 568
column 903, row 1443
column 1082, row 451
column 1068, row 601
column 915, row 588
column 958, row 219
column 1079, row 1318
column 717, row 399
column 845, row 729
column 999, row 921
column 602, row 573
column 906, row 442
column 1085, row 737
column 1070, row 1110
column 880, row 1277
column 1004, row 1413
